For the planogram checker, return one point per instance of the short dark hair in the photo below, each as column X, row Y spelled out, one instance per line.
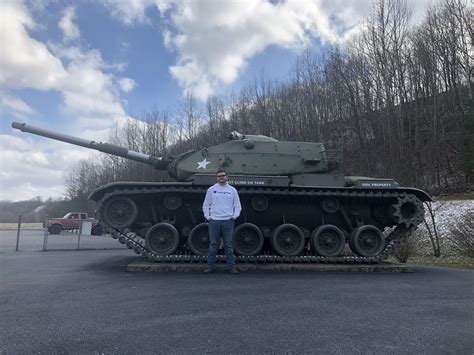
column 221, row 171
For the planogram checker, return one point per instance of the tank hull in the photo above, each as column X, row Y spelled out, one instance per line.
column 279, row 221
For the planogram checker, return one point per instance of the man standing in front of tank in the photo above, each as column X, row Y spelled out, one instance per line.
column 221, row 208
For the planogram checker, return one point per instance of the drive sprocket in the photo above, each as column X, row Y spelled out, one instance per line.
column 408, row 210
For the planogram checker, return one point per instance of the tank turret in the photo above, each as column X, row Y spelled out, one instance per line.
column 295, row 207
column 241, row 155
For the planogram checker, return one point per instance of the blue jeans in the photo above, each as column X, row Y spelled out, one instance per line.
column 217, row 230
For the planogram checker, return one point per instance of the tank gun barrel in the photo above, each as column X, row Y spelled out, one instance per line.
column 156, row 162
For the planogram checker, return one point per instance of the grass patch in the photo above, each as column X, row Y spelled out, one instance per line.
column 14, row 226
column 458, row 197
column 455, row 262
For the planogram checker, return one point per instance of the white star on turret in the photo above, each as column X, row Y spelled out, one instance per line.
column 203, row 164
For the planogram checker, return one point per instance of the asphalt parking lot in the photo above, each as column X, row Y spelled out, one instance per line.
column 69, row 301
column 33, row 240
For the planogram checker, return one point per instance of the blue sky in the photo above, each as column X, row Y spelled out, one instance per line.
column 83, row 67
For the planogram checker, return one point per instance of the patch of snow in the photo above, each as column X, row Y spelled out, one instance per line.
column 446, row 215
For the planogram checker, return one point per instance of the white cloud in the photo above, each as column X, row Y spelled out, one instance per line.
column 24, row 61
column 27, row 170
column 31, row 166
column 91, row 97
column 9, row 142
column 86, row 87
column 126, row 84
column 129, row 11
column 67, row 25
column 213, row 52
column 81, row 76
column 90, row 91
column 16, row 104
column 214, row 40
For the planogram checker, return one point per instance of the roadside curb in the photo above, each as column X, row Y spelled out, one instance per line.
column 144, row 266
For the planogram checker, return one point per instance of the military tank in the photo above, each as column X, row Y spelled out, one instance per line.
column 293, row 208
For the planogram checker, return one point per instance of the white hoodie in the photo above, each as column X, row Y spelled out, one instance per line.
column 221, row 203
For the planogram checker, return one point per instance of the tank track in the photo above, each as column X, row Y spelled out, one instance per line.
column 137, row 242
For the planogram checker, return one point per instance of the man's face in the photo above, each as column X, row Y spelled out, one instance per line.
column 221, row 178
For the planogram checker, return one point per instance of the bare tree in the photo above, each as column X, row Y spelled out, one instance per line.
column 432, row 229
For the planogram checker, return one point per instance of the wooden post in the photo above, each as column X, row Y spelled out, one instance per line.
column 18, row 232
column 45, row 238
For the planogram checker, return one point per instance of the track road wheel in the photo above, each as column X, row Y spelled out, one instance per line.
column 55, row 229
column 288, row 240
column 120, row 212
column 198, row 239
column 248, row 239
column 162, row 239
column 367, row 241
column 328, row 240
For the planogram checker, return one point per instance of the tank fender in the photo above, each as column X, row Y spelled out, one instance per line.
column 98, row 193
column 422, row 195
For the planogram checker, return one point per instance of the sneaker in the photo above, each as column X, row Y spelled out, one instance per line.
column 233, row 271
column 208, row 271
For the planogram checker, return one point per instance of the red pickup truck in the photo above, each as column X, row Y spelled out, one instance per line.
column 72, row 221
